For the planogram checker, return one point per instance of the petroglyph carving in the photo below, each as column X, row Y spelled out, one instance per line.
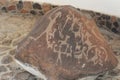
column 65, row 41
column 72, row 40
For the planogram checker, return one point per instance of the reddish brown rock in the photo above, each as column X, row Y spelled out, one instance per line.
column 3, row 2
column 20, row 5
column 65, row 45
column 37, row 6
column 113, row 18
column 46, row 7
column 24, row 11
column 12, row 7
column 27, row 5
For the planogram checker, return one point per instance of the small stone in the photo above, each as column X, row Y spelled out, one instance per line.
column 23, row 11
column 14, row 66
column 54, row 6
column 6, row 41
column 108, row 24
column 13, row 2
column 41, row 12
column 22, row 76
column 6, row 59
column 3, row 69
column 113, row 18
column 12, row 7
column 4, row 9
column 7, row 76
column 116, row 24
column 31, row 77
column 114, row 72
column 118, row 19
column 20, row 5
column 46, row 7
column 116, row 53
column 78, row 9
column 118, row 29
column 99, row 18
column 107, row 17
column 103, row 16
column 33, row 12
column 37, row 6
column 114, row 30
column 98, row 14
column 12, row 52
column 92, row 14
column 102, row 23
column 27, row 5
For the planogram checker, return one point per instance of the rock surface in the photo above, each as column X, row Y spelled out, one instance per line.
column 6, row 59
column 14, row 26
column 3, row 69
column 68, row 44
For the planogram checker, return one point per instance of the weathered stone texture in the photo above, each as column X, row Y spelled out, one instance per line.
column 14, row 28
column 6, row 59
column 70, row 43
column 3, row 69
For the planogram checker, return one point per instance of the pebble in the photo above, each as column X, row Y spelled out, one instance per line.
column 6, row 59
column 22, row 76
column 7, row 41
column 46, row 7
column 7, row 76
column 3, row 69
column 12, row 52
column 12, row 7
